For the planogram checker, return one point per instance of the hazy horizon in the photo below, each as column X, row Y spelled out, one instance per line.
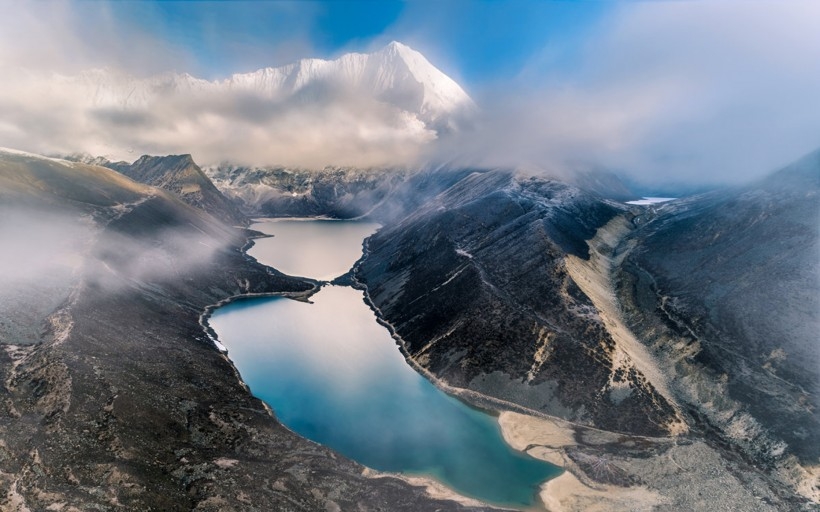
column 698, row 93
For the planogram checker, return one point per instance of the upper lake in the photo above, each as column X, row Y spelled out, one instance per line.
column 333, row 374
column 320, row 249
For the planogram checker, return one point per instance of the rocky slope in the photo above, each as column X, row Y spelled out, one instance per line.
column 178, row 174
column 724, row 288
column 120, row 401
column 476, row 284
column 528, row 294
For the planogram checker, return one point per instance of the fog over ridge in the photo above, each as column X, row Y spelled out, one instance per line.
column 690, row 92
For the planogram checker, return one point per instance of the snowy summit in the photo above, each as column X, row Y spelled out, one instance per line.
column 395, row 75
column 361, row 109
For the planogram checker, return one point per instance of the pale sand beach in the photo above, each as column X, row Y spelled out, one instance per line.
column 433, row 488
column 548, row 439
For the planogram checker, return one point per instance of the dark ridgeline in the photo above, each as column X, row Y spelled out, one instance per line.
column 475, row 284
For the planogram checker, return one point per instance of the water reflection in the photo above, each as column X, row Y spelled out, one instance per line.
column 319, row 249
column 334, row 375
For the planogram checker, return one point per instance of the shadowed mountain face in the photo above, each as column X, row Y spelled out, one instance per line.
column 282, row 192
column 476, row 285
column 112, row 395
column 181, row 175
column 725, row 285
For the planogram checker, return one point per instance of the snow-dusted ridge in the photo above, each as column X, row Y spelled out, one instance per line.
column 396, row 75
column 26, row 154
column 646, row 201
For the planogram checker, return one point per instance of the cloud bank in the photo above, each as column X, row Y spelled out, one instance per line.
column 706, row 92
column 47, row 113
column 703, row 92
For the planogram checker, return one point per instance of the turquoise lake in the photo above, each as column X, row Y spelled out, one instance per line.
column 331, row 373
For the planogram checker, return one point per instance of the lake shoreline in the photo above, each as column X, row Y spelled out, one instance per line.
column 478, row 402
column 433, row 488
column 642, row 476
column 657, row 471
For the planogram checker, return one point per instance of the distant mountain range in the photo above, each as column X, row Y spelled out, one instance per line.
column 396, row 75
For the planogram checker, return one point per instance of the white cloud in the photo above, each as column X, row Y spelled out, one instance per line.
column 667, row 91
column 686, row 91
column 66, row 69
column 46, row 113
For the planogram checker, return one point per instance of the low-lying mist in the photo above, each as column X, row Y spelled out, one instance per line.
column 119, row 260
column 684, row 92
column 48, row 253
column 41, row 256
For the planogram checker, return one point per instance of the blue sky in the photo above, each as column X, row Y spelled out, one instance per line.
column 475, row 41
column 697, row 90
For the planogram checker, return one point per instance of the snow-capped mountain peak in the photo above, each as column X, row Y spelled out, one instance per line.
column 441, row 93
column 396, row 74
column 363, row 109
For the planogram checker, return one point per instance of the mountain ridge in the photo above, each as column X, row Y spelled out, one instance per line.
column 395, row 75
column 182, row 176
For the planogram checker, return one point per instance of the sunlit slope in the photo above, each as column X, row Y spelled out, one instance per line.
column 60, row 181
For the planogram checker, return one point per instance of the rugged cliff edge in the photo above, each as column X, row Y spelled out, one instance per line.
column 115, row 399
column 514, row 288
